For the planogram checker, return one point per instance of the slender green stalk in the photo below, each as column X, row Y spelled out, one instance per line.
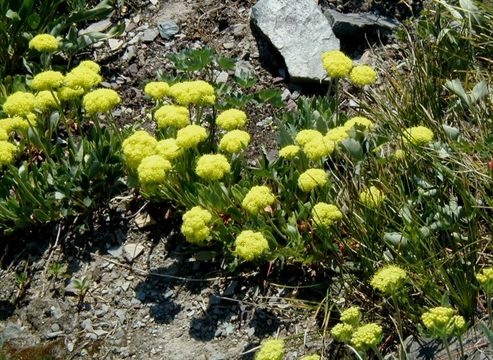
column 447, row 347
column 377, row 352
column 488, row 305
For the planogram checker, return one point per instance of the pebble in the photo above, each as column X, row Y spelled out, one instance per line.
column 115, row 44
column 167, row 29
column 150, row 35
column 228, row 45
column 55, row 327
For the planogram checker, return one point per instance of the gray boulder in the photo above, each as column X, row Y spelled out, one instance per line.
column 299, row 31
column 356, row 25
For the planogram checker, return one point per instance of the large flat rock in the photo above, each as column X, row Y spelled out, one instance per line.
column 299, row 31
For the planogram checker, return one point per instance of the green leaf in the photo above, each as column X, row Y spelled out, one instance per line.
column 452, row 132
column 33, row 21
column 456, row 87
column 12, row 15
column 272, row 96
column 205, row 255
column 395, row 238
column 225, row 63
column 487, row 332
column 353, row 148
column 479, row 91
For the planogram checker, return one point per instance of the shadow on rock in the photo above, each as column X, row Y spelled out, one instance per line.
column 264, row 322
column 6, row 309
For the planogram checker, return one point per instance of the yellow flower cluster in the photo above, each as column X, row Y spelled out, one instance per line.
column 234, row 141
column 325, row 214
column 250, row 245
column 212, row 167
column 66, row 93
column 271, row 349
column 351, row 316
column 172, row 115
column 82, row 77
column 289, row 152
column 337, row 134
column 399, row 154
column 90, row 65
column 190, row 136
column 257, row 199
column 47, row 80
column 152, row 172
column 156, row 89
column 319, row 148
column 305, row 136
column 311, row 179
column 195, row 225
column 360, row 121
column 231, row 119
column 196, row 92
column 336, row 63
column 100, row 100
column 485, row 279
column 363, row 75
column 44, row 43
column 45, row 100
column 442, row 322
column 15, row 123
column 168, row 149
column 418, row 135
column 342, row 332
column 138, row 146
column 367, row 336
column 3, row 135
column 372, row 197
column 19, row 103
column 7, row 153
column 389, row 280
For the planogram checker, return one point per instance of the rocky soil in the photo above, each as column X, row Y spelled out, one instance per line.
column 147, row 294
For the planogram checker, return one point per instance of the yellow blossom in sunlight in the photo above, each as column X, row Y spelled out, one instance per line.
column 250, row 245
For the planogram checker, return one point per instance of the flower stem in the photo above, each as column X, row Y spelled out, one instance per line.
column 447, row 347
column 488, row 304
column 377, row 352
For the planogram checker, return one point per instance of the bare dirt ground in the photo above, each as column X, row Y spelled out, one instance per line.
column 163, row 303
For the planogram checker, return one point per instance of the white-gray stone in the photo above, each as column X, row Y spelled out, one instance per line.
column 96, row 27
column 132, row 251
column 167, row 29
column 149, row 35
column 114, row 44
column 299, row 31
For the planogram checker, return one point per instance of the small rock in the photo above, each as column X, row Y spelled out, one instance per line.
column 53, row 334
column 243, row 68
column 132, row 251
column 115, row 44
column 222, row 77
column 167, row 29
column 285, row 94
column 87, row 325
column 237, row 29
column 96, row 27
column 150, row 35
column 129, row 53
column 116, row 251
column 125, row 285
column 228, row 45
column 144, row 220
column 55, row 327
column 70, row 346
column 136, row 303
column 154, row 2
column 135, row 39
column 56, row 312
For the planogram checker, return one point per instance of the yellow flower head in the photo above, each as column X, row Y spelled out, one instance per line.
column 311, row 179
column 289, row 152
column 195, row 225
column 325, row 214
column 100, row 100
column 172, row 115
column 485, row 279
column 45, row 100
column 389, row 279
column 91, row 65
column 360, row 121
column 234, row 141
column 363, row 75
column 152, row 172
column 82, row 77
column 7, row 153
column 47, row 80
column 138, row 146
column 271, row 349
column 190, row 136
column 418, row 135
column 19, row 103
column 44, row 43
column 442, row 322
column 4, row 136
column 337, row 134
column 342, row 332
column 351, row 316
column 372, row 197
column 212, row 167
column 257, row 199
column 196, row 92
column 156, row 89
column 308, row 135
column 231, row 119
column 318, row 148
column 367, row 336
column 250, row 245
column 168, row 149
column 66, row 93
column 336, row 63
column 399, row 154
column 15, row 123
